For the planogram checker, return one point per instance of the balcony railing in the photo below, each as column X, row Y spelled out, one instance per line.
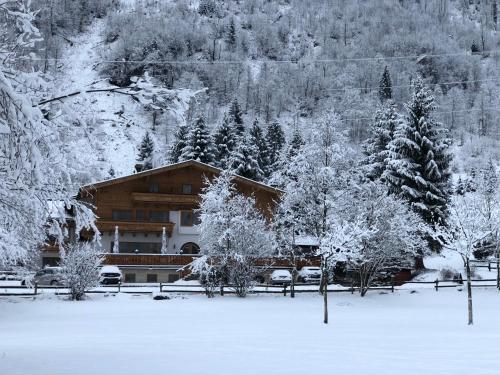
column 134, row 226
column 177, row 260
column 166, row 198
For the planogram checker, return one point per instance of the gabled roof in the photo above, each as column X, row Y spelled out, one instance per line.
column 175, row 166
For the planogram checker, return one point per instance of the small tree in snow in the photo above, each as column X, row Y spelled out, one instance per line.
column 234, row 233
column 116, row 242
column 80, row 265
column 145, row 157
column 164, row 242
column 468, row 227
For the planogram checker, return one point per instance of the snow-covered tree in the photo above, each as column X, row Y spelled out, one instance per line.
column 244, row 160
column 224, row 142
column 385, row 86
column 199, row 145
column 116, row 241
column 34, row 175
column 275, row 138
column 258, row 140
column 386, row 120
column 145, row 157
column 236, row 117
column 179, row 143
column 295, row 144
column 234, row 233
column 80, row 265
column 469, row 225
column 418, row 163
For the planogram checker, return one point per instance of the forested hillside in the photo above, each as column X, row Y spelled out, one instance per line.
column 286, row 61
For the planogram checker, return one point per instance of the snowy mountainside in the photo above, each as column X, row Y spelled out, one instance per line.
column 108, row 126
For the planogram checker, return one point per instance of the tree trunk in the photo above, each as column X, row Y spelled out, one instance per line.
column 292, row 283
column 325, row 298
column 498, row 271
column 469, row 293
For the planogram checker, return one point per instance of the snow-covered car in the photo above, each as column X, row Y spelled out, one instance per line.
column 280, row 277
column 46, row 276
column 110, row 275
column 309, row 275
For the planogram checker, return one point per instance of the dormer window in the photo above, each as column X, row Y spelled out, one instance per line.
column 154, row 188
column 187, row 189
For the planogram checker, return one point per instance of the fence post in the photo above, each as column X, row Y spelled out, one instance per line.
column 352, row 287
column 392, row 284
column 36, row 288
column 222, row 289
column 119, row 286
column 284, row 290
column 489, row 266
column 437, row 284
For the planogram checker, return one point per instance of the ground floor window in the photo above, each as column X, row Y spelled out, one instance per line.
column 50, row 262
column 190, row 248
column 130, row 277
column 172, row 278
column 152, row 278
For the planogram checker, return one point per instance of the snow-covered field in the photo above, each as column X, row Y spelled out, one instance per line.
column 411, row 333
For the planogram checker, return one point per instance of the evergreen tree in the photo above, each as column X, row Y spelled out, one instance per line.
column 460, row 186
column 199, row 145
column 418, row 162
column 295, row 144
column 375, row 149
column 258, row 140
column 236, row 117
column 224, row 143
column 385, row 86
column 275, row 139
column 244, row 160
column 180, row 140
column 231, row 35
column 145, row 158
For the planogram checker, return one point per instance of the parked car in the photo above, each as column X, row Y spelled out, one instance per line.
column 309, row 275
column 280, row 277
column 109, row 275
column 46, row 276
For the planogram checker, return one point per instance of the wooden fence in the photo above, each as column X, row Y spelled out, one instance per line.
column 11, row 290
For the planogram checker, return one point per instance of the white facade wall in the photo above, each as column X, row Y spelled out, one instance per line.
column 180, row 236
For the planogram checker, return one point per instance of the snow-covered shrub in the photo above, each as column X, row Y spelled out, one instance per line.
column 80, row 265
column 447, row 273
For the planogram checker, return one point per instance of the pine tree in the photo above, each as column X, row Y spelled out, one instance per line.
column 180, row 140
column 236, row 117
column 418, row 162
column 224, row 143
column 295, row 144
column 199, row 145
column 244, row 160
column 231, row 35
column 275, row 139
column 258, row 140
column 145, row 158
column 375, row 149
column 385, row 86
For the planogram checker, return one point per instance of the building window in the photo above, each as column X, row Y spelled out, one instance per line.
column 159, row 216
column 122, row 215
column 187, row 189
column 130, row 277
column 139, row 215
column 190, row 248
column 152, row 278
column 154, row 188
column 139, row 247
column 173, row 277
column 186, row 218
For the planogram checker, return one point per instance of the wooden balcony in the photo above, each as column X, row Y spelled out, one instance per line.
column 134, row 226
column 176, row 260
column 166, row 198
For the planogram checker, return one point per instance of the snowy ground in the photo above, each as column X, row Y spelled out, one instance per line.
column 419, row 333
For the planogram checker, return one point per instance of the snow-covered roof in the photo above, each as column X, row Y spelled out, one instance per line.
column 173, row 166
column 305, row 240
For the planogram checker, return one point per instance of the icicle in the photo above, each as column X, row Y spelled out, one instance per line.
column 164, row 242
column 116, row 243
